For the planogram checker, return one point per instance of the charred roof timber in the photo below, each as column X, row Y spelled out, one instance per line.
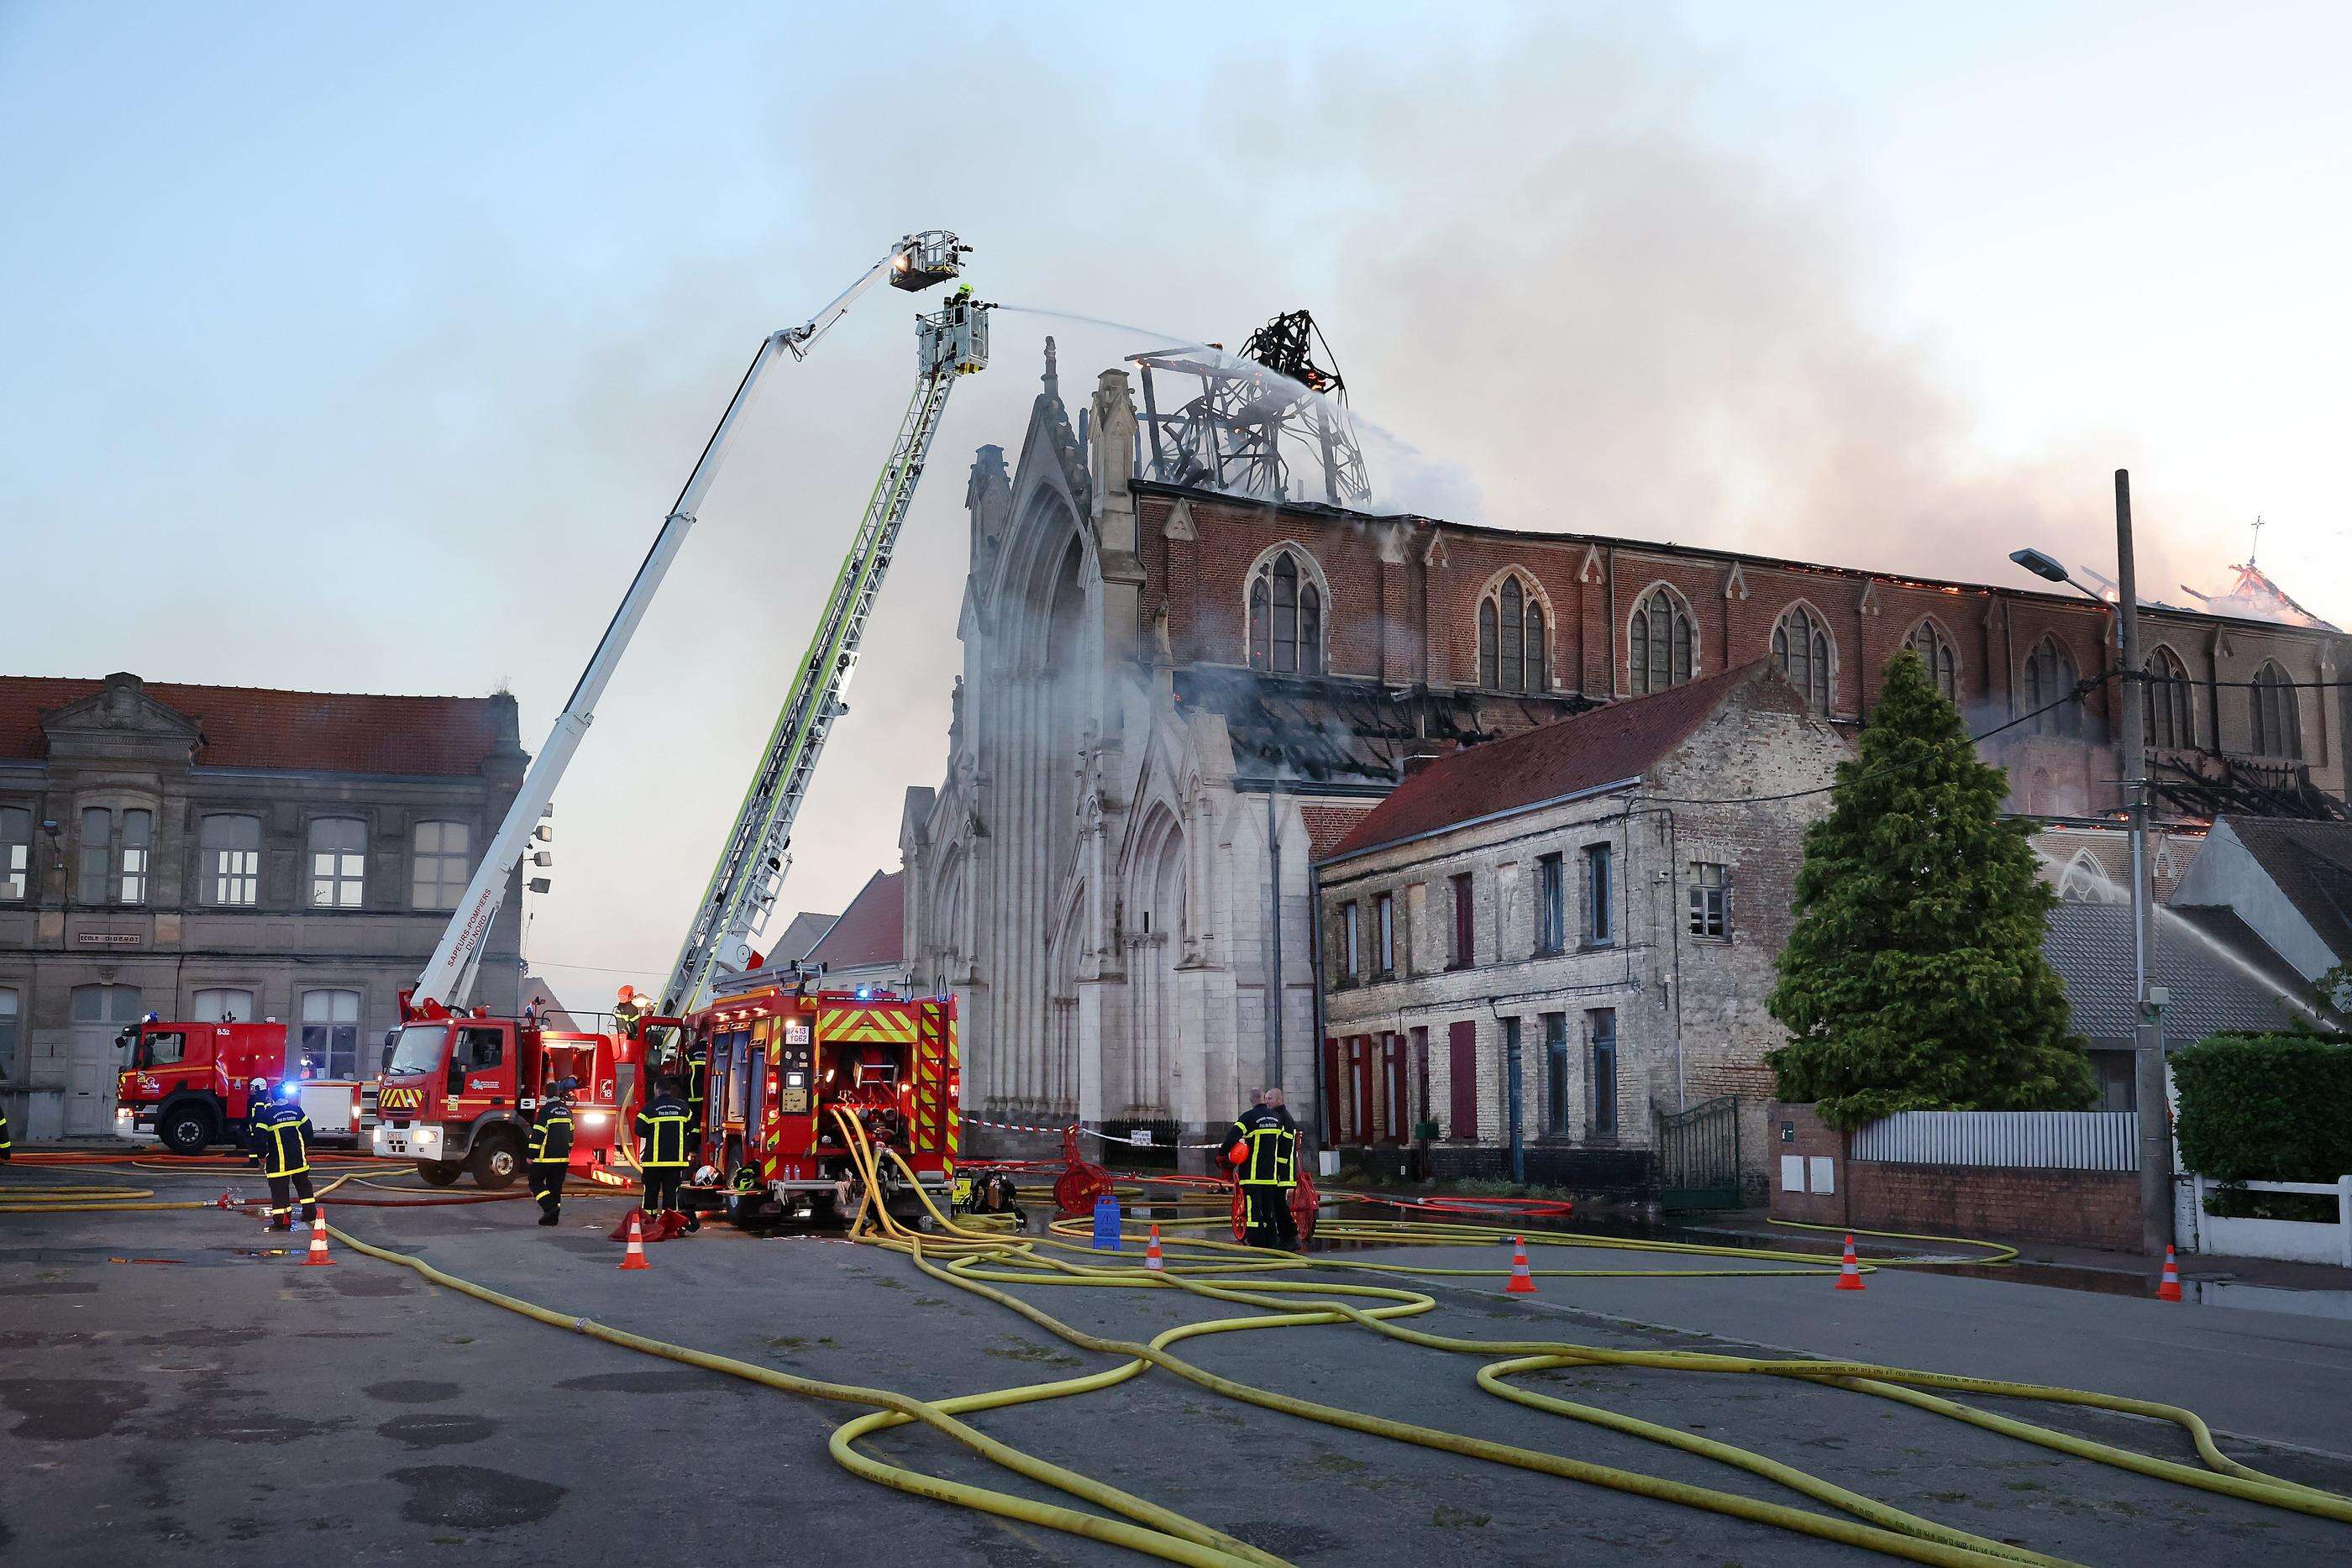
column 1258, row 415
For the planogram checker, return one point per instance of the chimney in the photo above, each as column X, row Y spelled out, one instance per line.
column 1418, row 762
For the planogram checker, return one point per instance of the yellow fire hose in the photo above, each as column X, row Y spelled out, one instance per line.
column 978, row 1251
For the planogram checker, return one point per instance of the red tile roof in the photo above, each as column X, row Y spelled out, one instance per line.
column 869, row 931
column 1604, row 747
column 246, row 727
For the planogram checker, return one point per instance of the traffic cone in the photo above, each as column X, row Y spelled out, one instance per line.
column 636, row 1254
column 1849, row 1274
column 318, row 1257
column 1522, row 1282
column 2169, row 1289
column 1151, row 1259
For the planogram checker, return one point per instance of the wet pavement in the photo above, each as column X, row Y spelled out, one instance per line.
column 239, row 1407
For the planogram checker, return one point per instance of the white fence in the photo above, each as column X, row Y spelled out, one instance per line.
column 2047, row 1140
column 2289, row 1240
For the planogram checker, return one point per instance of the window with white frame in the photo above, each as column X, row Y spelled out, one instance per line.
column 1710, row 901
column 439, row 864
column 231, row 847
column 1658, row 643
column 2049, row 679
column 138, row 846
column 10, row 1020
column 338, row 863
column 1513, row 650
column 1286, row 612
column 1384, row 911
column 97, row 855
column 1801, row 647
column 1351, row 952
column 15, row 852
column 1935, row 651
column 221, row 1004
column 330, row 1032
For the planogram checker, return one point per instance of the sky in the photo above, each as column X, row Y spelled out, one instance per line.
column 363, row 348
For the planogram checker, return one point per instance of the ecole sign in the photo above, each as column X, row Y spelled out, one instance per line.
column 106, row 938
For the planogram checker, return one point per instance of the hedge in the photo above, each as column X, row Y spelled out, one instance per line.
column 2266, row 1107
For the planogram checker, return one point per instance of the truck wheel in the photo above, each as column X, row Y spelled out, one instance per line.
column 187, row 1129
column 439, row 1173
column 497, row 1163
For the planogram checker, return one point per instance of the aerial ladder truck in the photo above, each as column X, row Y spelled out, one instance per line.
column 458, row 1084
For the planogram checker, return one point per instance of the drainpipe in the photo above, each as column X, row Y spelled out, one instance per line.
column 1274, row 988
column 1315, row 1047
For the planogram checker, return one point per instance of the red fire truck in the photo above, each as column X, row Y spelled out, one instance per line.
column 783, row 1057
column 188, row 1081
column 459, row 1089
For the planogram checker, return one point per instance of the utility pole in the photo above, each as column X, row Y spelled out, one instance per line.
column 2147, row 1038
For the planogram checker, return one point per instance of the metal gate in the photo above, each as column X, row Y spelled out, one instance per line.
column 1698, row 1156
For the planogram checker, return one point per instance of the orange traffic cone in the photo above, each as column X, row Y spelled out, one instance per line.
column 2169, row 1289
column 1849, row 1274
column 636, row 1254
column 1522, row 1282
column 318, row 1257
column 1151, row 1259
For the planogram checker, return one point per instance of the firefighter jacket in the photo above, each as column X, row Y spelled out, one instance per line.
column 664, row 1128
column 550, row 1135
column 281, row 1139
column 4, row 1145
column 1268, row 1139
column 698, row 1076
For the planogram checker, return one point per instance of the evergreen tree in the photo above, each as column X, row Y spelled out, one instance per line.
column 1914, row 979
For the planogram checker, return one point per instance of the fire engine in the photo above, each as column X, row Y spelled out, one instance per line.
column 188, row 1082
column 784, row 1057
column 458, row 1092
column 458, row 1084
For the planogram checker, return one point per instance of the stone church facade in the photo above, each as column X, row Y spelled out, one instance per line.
column 1175, row 702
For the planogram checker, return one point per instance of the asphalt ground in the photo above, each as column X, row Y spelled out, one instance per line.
column 228, row 1403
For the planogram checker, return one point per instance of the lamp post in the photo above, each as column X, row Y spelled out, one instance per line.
column 2147, row 1038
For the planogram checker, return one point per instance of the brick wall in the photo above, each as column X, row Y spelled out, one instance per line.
column 2069, row 1208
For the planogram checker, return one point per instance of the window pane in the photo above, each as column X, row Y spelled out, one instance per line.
column 1537, row 678
column 96, row 853
column 1261, row 632
column 1310, row 630
column 1486, row 649
column 338, row 863
column 232, row 859
column 1604, row 1071
column 225, row 1005
column 1555, row 1074
column 1597, row 892
column 439, row 867
column 15, row 852
column 8, row 1027
column 1640, row 652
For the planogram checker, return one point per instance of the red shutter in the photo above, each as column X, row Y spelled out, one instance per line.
column 1461, row 1050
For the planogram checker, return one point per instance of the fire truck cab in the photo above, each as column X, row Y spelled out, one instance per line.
column 459, row 1089
column 782, row 1058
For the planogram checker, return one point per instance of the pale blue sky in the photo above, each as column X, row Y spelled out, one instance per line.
column 361, row 347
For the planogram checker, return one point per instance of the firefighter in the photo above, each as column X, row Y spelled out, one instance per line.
column 551, row 1150
column 5, row 1144
column 1263, row 1148
column 663, row 1129
column 281, row 1142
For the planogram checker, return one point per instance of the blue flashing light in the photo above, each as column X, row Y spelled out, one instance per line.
column 289, row 1088
column 864, row 993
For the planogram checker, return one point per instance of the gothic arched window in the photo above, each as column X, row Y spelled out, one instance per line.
column 2164, row 702
column 1802, row 648
column 2049, row 678
column 1286, row 611
column 2278, row 728
column 1513, row 650
column 1659, row 644
column 1935, row 651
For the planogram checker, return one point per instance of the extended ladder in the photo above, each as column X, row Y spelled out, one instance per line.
column 743, row 886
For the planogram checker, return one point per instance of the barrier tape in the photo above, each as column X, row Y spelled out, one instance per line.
column 1126, row 1143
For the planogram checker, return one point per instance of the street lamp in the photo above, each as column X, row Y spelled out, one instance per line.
column 2148, row 1040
